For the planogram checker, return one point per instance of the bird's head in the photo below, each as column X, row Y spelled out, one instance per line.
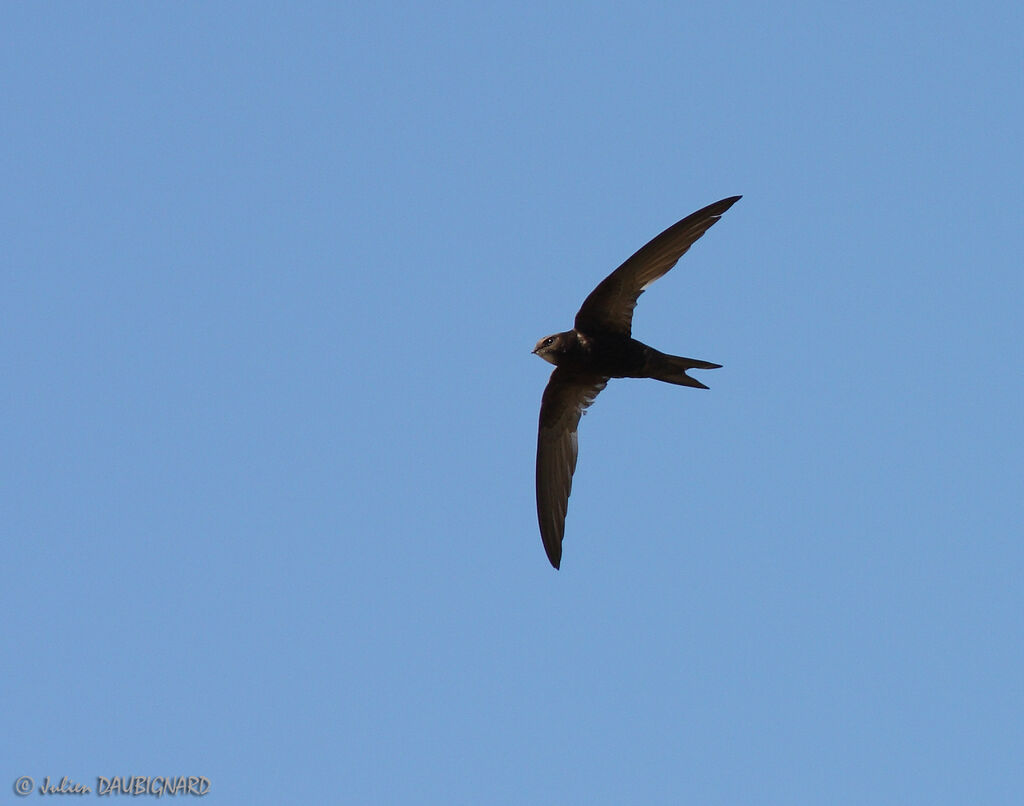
column 552, row 348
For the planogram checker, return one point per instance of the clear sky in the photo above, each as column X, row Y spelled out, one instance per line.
column 271, row 278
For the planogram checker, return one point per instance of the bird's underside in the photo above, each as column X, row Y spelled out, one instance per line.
column 598, row 348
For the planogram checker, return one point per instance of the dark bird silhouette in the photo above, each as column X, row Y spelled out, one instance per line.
column 599, row 347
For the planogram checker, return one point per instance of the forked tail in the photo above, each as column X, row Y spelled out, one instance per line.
column 672, row 369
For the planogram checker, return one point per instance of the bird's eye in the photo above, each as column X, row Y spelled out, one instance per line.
column 548, row 342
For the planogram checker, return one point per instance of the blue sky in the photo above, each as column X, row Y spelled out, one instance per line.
column 271, row 278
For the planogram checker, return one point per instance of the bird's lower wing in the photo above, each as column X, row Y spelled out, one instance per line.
column 567, row 395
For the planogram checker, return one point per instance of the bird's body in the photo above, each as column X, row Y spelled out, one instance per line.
column 612, row 355
column 600, row 347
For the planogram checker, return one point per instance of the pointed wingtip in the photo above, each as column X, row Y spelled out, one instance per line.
column 554, row 552
column 717, row 209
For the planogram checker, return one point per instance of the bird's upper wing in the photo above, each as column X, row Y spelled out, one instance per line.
column 610, row 306
column 567, row 395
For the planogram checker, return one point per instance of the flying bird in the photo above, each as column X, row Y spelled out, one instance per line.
column 599, row 347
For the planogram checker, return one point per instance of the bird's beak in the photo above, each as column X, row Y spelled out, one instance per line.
column 534, row 351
